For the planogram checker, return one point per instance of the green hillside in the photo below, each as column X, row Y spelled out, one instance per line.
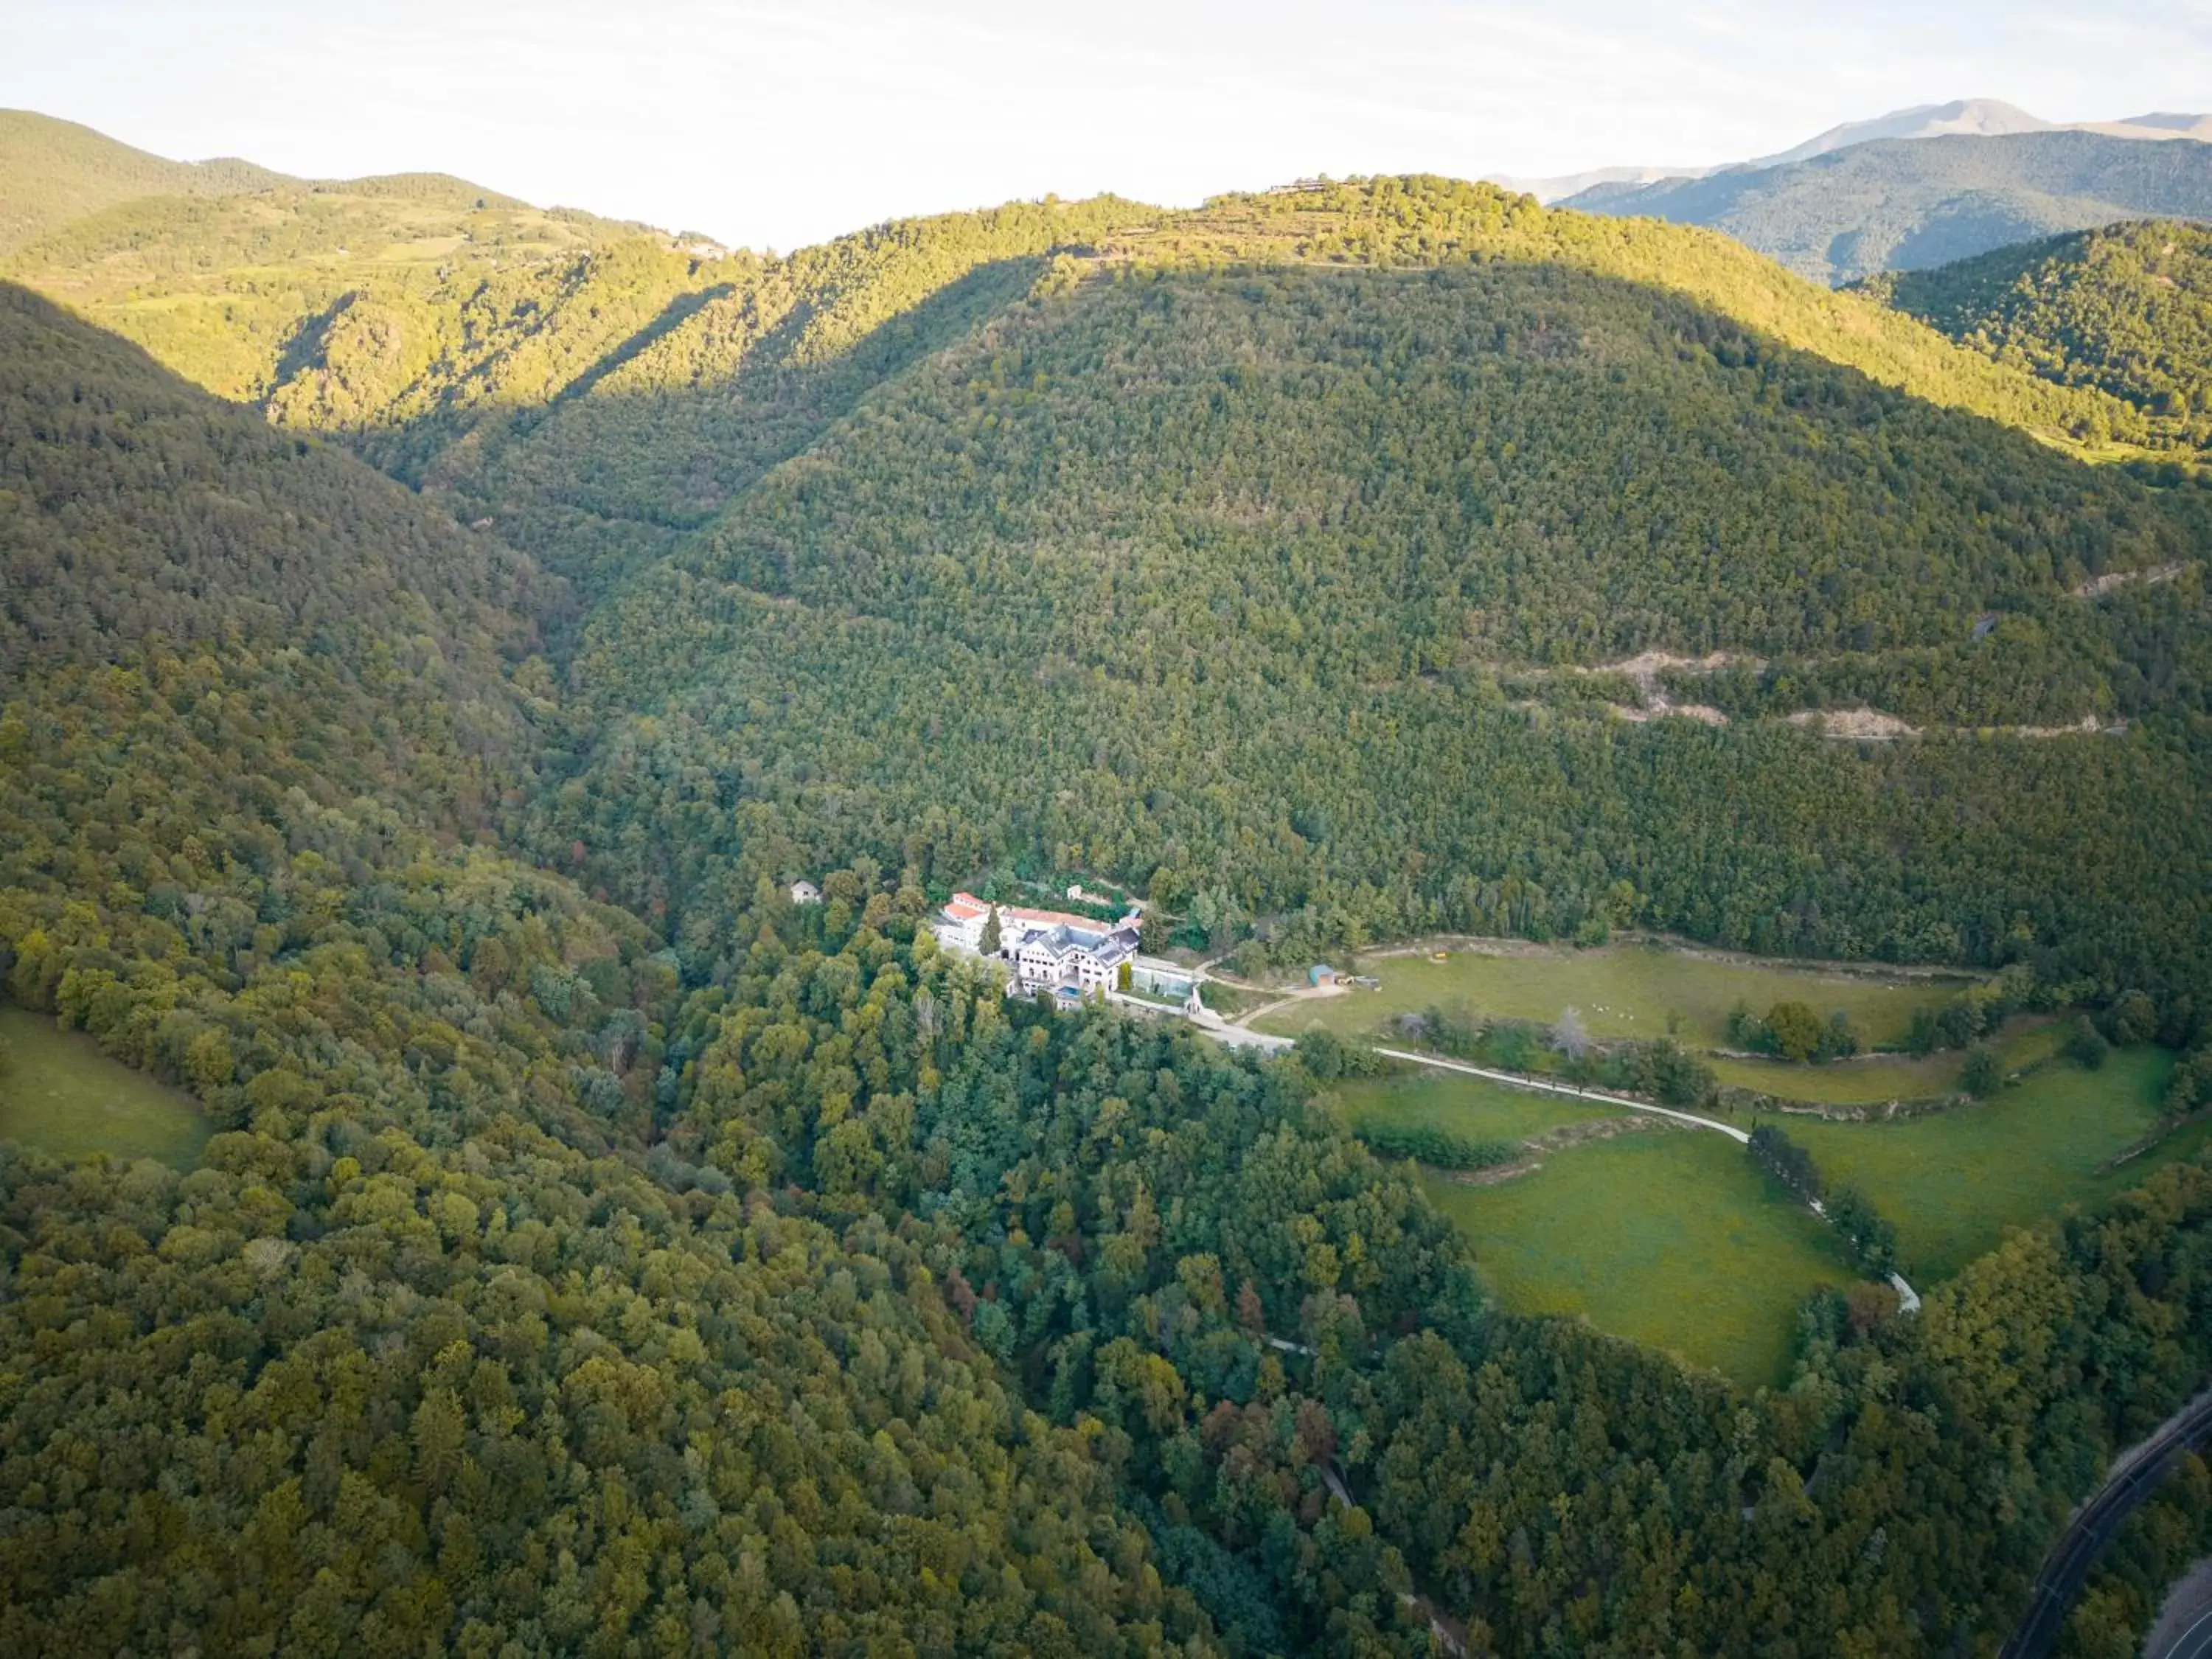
column 1161, row 488
column 1242, row 580
column 241, row 293
column 593, row 390
column 673, row 431
column 2126, row 309
column 251, row 690
column 53, row 172
column 1909, row 205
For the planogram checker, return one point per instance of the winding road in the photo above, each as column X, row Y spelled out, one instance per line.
column 2136, row 1476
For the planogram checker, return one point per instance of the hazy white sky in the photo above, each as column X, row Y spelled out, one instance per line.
column 776, row 123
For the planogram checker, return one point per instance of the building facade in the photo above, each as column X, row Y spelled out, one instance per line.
column 1047, row 949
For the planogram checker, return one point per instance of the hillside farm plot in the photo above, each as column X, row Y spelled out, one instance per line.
column 1626, row 990
column 1671, row 1238
column 61, row 1094
column 1870, row 1080
column 1954, row 1181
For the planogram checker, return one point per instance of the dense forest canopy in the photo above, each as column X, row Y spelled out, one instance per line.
column 1259, row 568
column 1905, row 204
column 1119, row 492
column 599, row 1253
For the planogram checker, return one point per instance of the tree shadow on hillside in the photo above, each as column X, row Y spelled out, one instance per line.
column 595, row 484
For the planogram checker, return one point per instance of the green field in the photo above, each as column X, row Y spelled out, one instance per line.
column 63, row 1094
column 1469, row 1106
column 1621, row 990
column 1673, row 1239
column 1956, row 1181
column 1676, row 1241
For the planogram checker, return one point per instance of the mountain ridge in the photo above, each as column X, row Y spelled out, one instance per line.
column 1975, row 117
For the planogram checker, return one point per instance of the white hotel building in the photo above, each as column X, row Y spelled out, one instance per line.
column 1048, row 950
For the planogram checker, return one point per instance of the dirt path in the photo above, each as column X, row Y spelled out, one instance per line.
column 1310, row 993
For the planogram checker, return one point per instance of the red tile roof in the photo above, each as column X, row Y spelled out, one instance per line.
column 966, row 906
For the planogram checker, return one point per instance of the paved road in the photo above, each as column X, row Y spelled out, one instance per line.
column 2092, row 1528
column 2194, row 1643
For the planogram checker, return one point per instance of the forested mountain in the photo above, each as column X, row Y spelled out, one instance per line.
column 2126, row 309
column 596, row 389
column 424, row 1316
column 600, row 1253
column 1905, row 204
column 1255, row 564
column 1346, row 452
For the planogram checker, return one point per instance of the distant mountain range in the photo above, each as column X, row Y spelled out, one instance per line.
column 1976, row 118
column 1907, row 204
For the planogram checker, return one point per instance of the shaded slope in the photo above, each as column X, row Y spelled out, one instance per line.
column 1905, row 204
column 142, row 519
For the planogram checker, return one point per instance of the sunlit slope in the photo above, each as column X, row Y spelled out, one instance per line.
column 2126, row 309
column 53, row 172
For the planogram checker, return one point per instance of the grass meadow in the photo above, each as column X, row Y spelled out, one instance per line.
column 1628, row 990
column 1956, row 1181
column 1871, row 1079
column 1672, row 1238
column 1676, row 1240
column 1470, row 1106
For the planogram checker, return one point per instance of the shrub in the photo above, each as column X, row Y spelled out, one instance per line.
column 1983, row 1074
column 1436, row 1146
column 1795, row 1029
column 2085, row 1046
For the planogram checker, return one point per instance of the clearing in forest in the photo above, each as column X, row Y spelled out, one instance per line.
column 1674, row 1239
column 58, row 1092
